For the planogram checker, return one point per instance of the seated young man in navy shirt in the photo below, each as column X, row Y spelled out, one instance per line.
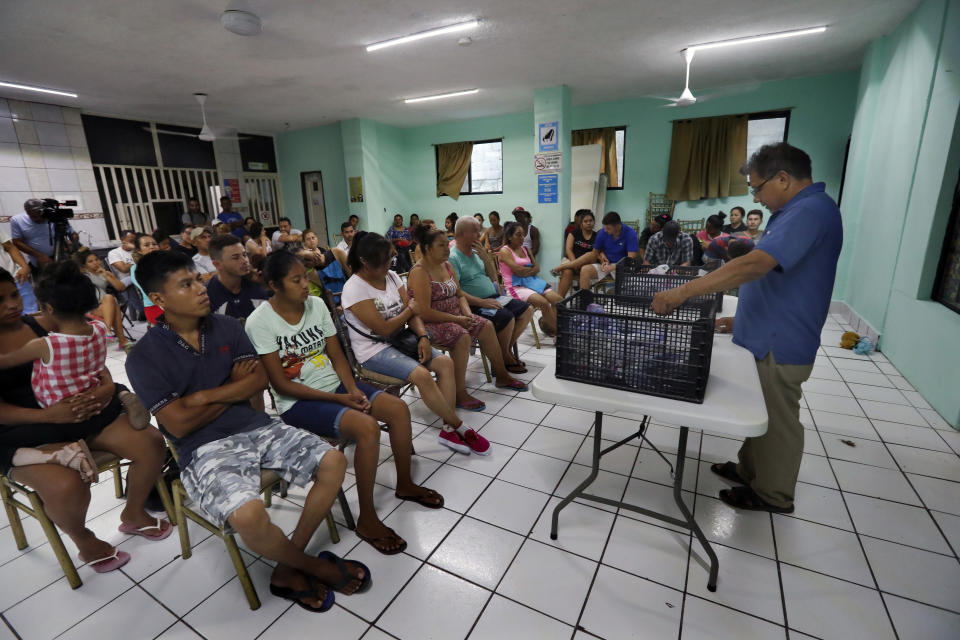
column 613, row 243
column 231, row 291
column 197, row 371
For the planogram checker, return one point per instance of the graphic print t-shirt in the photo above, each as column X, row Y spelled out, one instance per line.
column 301, row 347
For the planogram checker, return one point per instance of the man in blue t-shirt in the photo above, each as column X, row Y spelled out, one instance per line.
column 785, row 288
column 614, row 242
column 197, row 371
column 227, row 215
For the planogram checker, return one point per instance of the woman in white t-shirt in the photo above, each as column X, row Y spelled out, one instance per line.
column 375, row 303
column 315, row 390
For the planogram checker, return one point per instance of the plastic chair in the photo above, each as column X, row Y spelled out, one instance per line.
column 106, row 461
column 184, row 509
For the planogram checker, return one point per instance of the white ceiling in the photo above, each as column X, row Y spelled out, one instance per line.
column 309, row 66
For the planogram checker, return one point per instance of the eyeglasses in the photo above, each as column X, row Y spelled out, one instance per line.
column 755, row 190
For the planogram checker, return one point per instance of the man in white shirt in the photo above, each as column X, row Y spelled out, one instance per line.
column 14, row 263
column 200, row 237
column 121, row 258
column 347, row 230
column 285, row 236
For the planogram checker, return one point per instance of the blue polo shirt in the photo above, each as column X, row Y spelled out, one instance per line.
column 163, row 367
column 616, row 248
column 784, row 311
column 35, row 234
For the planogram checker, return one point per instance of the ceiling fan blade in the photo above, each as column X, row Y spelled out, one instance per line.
column 176, row 133
column 666, row 98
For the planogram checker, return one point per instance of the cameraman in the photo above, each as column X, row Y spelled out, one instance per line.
column 33, row 234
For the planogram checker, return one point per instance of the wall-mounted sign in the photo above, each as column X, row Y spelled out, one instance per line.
column 547, row 188
column 258, row 166
column 356, row 189
column 548, row 136
column 547, row 162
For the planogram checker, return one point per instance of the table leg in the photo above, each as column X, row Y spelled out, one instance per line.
column 691, row 523
column 598, row 420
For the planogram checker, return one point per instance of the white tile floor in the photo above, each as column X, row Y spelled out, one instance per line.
column 871, row 551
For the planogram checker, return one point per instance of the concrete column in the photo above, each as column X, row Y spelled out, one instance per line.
column 552, row 104
column 361, row 158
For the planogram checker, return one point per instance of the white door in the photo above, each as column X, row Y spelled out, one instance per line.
column 315, row 209
column 584, row 181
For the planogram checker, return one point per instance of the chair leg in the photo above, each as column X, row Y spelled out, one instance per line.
column 332, row 526
column 53, row 536
column 268, row 497
column 345, row 506
column 284, row 486
column 248, row 589
column 117, row 479
column 536, row 337
column 13, row 515
column 185, row 550
column 167, row 502
column 486, row 367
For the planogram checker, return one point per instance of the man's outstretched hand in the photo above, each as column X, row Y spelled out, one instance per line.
column 666, row 301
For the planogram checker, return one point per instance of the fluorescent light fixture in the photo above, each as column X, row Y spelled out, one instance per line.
column 442, row 95
column 24, row 87
column 763, row 38
column 453, row 28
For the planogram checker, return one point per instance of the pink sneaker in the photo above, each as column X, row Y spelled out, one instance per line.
column 453, row 440
column 477, row 443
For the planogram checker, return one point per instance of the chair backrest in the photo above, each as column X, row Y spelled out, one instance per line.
column 660, row 204
column 492, row 267
column 692, row 226
column 633, row 224
column 342, row 333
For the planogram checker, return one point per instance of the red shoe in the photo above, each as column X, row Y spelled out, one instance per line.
column 453, row 440
column 477, row 443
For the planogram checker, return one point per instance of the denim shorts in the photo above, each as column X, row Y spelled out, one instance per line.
column 322, row 417
column 394, row 363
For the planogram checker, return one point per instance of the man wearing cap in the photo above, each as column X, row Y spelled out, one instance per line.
column 785, row 289
column 33, row 235
column 669, row 246
column 656, row 224
column 200, row 237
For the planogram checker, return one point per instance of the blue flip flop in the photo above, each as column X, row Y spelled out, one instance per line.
column 346, row 577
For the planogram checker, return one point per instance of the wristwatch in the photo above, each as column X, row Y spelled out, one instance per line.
column 419, row 338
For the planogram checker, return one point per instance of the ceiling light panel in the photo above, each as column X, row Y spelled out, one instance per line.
column 763, row 38
column 453, row 28
column 440, row 96
column 24, row 87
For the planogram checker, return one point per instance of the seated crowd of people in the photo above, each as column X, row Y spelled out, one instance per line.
column 234, row 312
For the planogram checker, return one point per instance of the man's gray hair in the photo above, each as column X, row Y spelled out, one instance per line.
column 32, row 203
column 463, row 223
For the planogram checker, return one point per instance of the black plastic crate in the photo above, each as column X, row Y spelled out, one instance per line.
column 629, row 347
column 633, row 280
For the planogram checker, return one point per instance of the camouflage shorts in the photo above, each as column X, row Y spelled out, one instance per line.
column 224, row 475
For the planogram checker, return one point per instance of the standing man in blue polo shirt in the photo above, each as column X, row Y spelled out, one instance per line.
column 785, row 288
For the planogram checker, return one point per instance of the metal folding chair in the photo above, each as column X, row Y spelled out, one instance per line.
column 9, row 487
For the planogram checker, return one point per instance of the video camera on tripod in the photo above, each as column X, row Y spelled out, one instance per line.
column 54, row 213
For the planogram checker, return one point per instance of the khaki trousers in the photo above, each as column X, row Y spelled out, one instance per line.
column 770, row 463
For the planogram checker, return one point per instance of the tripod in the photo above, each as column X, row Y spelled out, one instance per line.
column 62, row 245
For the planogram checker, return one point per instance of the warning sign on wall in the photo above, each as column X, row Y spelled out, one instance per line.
column 547, row 162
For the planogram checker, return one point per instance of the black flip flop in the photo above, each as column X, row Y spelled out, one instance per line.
column 727, row 471
column 289, row 594
column 747, row 499
column 421, row 499
column 345, row 576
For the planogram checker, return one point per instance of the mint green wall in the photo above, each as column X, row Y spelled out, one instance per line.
column 417, row 176
column 904, row 163
column 316, row 149
column 820, row 121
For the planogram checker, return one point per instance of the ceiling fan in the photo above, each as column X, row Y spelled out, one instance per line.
column 686, row 98
column 207, row 133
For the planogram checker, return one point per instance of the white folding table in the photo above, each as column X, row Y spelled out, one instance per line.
column 733, row 406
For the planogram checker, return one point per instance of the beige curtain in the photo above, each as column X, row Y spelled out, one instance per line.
column 607, row 138
column 453, row 163
column 705, row 158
